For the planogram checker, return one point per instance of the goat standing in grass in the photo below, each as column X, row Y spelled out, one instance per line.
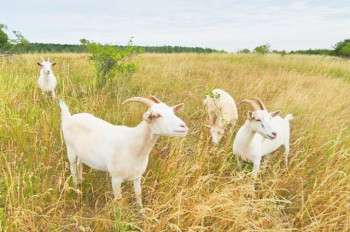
column 47, row 81
column 120, row 150
column 261, row 134
column 222, row 112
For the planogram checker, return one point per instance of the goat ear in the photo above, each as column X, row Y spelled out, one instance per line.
column 39, row 64
column 53, row 64
column 178, row 107
column 147, row 116
column 274, row 114
column 250, row 115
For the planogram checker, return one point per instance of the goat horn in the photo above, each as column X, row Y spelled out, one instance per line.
column 48, row 59
column 251, row 103
column 42, row 58
column 143, row 100
column 260, row 103
column 156, row 100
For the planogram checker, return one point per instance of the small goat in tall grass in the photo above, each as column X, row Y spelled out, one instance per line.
column 47, row 81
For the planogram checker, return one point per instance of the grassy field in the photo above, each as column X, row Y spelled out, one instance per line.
column 189, row 185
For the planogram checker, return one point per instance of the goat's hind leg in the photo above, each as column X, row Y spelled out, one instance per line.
column 80, row 170
column 73, row 165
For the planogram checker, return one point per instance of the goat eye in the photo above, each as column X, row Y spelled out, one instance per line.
column 258, row 120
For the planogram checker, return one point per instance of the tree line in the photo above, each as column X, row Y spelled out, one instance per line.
column 77, row 48
column 341, row 49
column 21, row 45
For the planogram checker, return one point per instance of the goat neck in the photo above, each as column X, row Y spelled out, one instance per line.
column 144, row 146
column 247, row 135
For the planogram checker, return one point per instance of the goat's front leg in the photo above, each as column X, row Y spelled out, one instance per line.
column 239, row 163
column 53, row 94
column 117, row 187
column 211, row 119
column 286, row 153
column 138, row 191
column 256, row 166
column 265, row 163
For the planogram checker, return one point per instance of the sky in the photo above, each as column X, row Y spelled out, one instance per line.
column 229, row 25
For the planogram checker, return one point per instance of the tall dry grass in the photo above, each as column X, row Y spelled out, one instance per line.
column 189, row 185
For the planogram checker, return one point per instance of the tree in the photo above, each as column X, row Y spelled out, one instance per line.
column 12, row 45
column 342, row 48
column 19, row 43
column 262, row 49
column 3, row 37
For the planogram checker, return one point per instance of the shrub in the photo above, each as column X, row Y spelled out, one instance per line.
column 246, row 51
column 112, row 62
column 342, row 48
column 262, row 49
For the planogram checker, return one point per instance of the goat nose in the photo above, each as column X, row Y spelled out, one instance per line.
column 274, row 134
column 183, row 125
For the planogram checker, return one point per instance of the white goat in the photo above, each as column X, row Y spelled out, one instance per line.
column 120, row 150
column 261, row 134
column 222, row 112
column 47, row 81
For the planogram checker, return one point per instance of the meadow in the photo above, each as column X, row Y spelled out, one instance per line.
column 189, row 185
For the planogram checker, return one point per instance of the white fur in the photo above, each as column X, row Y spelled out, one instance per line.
column 222, row 112
column 253, row 140
column 47, row 81
column 120, row 150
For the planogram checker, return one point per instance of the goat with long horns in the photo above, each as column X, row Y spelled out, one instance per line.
column 120, row 150
column 261, row 134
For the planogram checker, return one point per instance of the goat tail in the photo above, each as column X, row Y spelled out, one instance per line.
column 289, row 117
column 64, row 111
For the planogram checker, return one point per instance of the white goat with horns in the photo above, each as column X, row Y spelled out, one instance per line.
column 120, row 150
column 261, row 134
column 222, row 112
column 47, row 81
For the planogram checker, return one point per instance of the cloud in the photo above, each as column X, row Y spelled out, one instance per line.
column 226, row 24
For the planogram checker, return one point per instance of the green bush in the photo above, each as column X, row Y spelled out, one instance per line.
column 246, row 51
column 342, row 48
column 112, row 62
column 262, row 49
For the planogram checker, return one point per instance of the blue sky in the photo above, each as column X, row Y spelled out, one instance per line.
column 228, row 24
